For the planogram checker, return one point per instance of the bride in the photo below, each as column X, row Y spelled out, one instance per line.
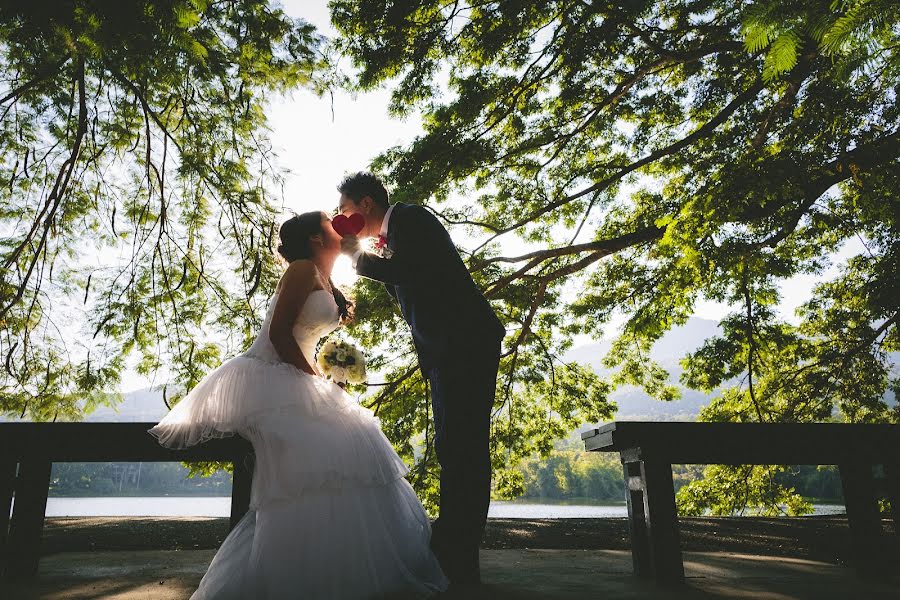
column 331, row 515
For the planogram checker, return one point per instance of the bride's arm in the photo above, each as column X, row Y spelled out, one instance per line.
column 297, row 282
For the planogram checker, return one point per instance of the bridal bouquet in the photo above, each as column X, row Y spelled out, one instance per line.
column 343, row 362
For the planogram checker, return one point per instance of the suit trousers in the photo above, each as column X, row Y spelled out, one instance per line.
column 462, row 395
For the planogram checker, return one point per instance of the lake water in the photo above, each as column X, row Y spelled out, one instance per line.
column 221, row 507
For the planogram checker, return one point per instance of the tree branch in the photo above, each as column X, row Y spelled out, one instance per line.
column 375, row 405
column 863, row 157
column 146, row 106
column 47, row 72
column 611, row 245
column 700, row 133
column 796, row 79
column 56, row 195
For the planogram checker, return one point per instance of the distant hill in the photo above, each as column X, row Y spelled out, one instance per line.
column 147, row 404
column 140, row 405
column 634, row 404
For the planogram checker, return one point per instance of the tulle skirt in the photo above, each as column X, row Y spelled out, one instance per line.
column 331, row 515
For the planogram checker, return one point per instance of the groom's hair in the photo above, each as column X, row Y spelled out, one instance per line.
column 357, row 186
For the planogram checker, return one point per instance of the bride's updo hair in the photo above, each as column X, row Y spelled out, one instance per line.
column 295, row 245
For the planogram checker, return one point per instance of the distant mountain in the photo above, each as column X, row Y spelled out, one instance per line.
column 147, row 404
column 634, row 404
column 140, row 405
column 667, row 351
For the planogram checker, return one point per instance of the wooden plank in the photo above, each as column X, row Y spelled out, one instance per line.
column 662, row 522
column 866, row 532
column 8, row 470
column 589, row 433
column 750, row 443
column 727, row 443
column 606, row 428
column 27, row 523
column 700, row 443
column 637, row 520
column 106, row 442
column 241, row 487
column 598, row 442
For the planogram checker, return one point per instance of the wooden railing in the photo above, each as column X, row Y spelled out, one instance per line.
column 28, row 451
column 648, row 451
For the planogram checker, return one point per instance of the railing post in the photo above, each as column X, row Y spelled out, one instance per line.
column 637, row 519
column 27, row 523
column 8, row 469
column 652, row 518
column 866, row 533
column 662, row 522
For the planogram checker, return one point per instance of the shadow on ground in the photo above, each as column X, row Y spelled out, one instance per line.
column 508, row 574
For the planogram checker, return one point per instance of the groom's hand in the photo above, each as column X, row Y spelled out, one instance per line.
column 349, row 245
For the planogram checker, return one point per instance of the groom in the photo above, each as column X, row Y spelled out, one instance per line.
column 457, row 337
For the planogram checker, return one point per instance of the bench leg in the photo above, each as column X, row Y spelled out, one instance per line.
column 662, row 522
column 637, row 519
column 653, row 521
column 240, row 488
column 862, row 515
column 7, row 485
column 27, row 524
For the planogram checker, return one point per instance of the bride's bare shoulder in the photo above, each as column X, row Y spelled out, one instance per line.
column 300, row 274
column 295, row 286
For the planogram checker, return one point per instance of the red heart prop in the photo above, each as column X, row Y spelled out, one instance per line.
column 351, row 225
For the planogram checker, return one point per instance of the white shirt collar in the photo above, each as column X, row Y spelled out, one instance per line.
column 387, row 218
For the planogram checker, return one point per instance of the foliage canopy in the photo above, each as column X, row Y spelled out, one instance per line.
column 135, row 132
column 658, row 154
column 655, row 154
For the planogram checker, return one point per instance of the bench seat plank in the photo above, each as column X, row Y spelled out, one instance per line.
column 748, row 443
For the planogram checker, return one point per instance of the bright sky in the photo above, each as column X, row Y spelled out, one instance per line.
column 319, row 149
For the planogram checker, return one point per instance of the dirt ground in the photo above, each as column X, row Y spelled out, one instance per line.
column 507, row 574
column 824, row 538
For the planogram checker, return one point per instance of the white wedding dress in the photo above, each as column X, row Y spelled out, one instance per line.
column 331, row 515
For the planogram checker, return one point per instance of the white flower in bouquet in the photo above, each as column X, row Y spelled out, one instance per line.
column 342, row 361
column 339, row 374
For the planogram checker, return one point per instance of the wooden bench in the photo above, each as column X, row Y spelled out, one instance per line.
column 648, row 450
column 28, row 451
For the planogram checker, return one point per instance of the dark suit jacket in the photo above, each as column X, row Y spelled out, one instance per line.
column 445, row 310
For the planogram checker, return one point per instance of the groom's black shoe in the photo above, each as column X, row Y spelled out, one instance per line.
column 466, row 575
column 470, row 591
column 461, row 570
column 460, row 565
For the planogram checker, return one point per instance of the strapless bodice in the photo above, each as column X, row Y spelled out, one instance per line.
column 318, row 317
